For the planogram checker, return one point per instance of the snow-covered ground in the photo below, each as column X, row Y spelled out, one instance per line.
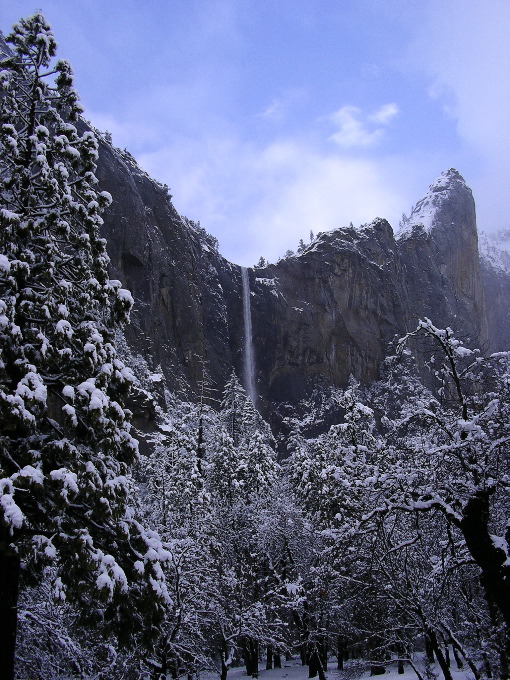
column 353, row 670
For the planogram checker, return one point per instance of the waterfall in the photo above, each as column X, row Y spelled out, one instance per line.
column 249, row 359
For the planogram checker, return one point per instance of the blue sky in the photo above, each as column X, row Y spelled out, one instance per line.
column 271, row 118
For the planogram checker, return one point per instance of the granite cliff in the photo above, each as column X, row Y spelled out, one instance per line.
column 318, row 316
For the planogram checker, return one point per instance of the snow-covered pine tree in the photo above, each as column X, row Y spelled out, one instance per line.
column 232, row 407
column 65, row 445
column 262, row 472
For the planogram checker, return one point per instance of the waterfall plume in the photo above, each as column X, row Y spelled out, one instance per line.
column 248, row 358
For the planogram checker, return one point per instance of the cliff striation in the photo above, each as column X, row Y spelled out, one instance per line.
column 317, row 317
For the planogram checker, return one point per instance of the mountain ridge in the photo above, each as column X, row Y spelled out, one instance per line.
column 318, row 316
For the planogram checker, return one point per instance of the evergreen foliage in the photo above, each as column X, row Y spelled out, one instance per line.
column 65, row 442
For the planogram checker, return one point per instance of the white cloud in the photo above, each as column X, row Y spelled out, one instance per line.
column 463, row 48
column 281, row 106
column 260, row 200
column 385, row 114
column 275, row 110
column 355, row 129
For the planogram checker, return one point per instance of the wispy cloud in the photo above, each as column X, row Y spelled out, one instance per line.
column 385, row 114
column 356, row 129
column 280, row 107
column 260, row 199
column 466, row 58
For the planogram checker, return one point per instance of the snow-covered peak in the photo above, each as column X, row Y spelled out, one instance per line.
column 495, row 249
column 425, row 211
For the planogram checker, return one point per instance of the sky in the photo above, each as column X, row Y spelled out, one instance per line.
column 269, row 119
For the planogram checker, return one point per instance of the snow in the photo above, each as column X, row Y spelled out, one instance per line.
column 463, row 351
column 42, row 130
column 34, row 475
column 125, row 296
column 9, row 216
column 111, row 575
column 71, row 412
column 71, row 151
column 500, row 543
column 139, row 567
column 98, row 400
column 353, row 670
column 5, row 265
column 13, row 516
column 495, row 250
column 68, row 392
column 425, row 211
column 63, row 327
column 50, row 551
column 32, row 387
column 68, row 479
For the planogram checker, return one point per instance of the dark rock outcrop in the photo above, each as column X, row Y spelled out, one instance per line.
column 438, row 247
column 328, row 313
column 187, row 297
column 318, row 317
column 495, row 268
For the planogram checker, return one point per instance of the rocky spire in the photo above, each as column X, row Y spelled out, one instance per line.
column 439, row 243
column 447, row 192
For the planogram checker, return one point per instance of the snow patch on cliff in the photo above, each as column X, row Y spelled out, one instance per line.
column 424, row 213
column 495, row 250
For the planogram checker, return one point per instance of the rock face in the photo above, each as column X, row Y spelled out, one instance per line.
column 187, row 299
column 333, row 310
column 495, row 264
column 439, row 249
column 318, row 317
column 329, row 312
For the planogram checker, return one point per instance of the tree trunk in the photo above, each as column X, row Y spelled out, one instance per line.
column 315, row 659
column 495, row 577
column 313, row 664
column 251, row 657
column 277, row 660
column 269, row 658
column 429, row 649
column 458, row 659
column 445, row 667
column 340, row 652
column 401, row 653
column 303, row 654
column 224, row 667
column 9, row 589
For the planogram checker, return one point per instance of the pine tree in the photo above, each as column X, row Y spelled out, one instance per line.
column 262, row 471
column 65, row 445
column 232, row 407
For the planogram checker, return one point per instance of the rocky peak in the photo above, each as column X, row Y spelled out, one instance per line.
column 439, row 243
column 435, row 208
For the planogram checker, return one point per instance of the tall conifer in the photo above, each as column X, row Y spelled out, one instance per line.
column 65, row 444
